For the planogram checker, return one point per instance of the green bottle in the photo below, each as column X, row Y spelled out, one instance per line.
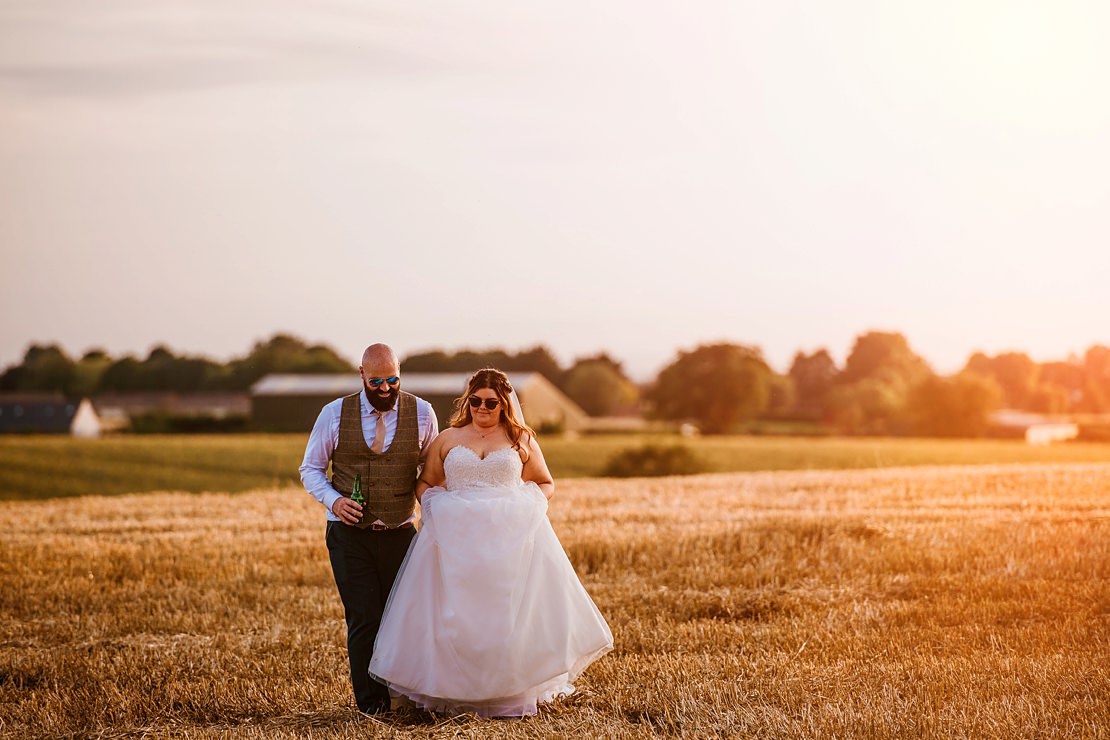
column 356, row 492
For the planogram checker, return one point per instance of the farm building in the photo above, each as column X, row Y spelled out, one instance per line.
column 47, row 414
column 1037, row 429
column 117, row 410
column 291, row 403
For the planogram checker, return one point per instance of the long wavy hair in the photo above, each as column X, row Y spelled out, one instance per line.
column 498, row 382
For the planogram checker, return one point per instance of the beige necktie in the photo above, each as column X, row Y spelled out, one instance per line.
column 379, row 434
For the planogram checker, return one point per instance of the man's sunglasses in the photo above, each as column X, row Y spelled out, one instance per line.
column 490, row 403
column 375, row 382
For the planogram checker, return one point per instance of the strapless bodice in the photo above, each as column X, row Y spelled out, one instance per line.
column 465, row 469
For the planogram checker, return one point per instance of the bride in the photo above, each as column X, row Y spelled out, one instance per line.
column 487, row 615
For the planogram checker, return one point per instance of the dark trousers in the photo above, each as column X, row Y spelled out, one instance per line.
column 365, row 563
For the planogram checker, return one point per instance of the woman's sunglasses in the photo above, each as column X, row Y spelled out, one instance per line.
column 391, row 380
column 490, row 403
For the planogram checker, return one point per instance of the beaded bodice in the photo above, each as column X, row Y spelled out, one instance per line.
column 465, row 469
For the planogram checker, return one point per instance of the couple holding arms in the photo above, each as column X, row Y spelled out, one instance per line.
column 481, row 611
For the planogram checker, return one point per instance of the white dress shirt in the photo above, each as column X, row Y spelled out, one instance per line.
column 325, row 437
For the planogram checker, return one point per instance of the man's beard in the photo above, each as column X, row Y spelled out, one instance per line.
column 379, row 403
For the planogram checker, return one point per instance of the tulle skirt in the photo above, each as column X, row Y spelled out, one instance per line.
column 487, row 614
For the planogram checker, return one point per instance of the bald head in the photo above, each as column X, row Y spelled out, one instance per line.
column 379, row 364
column 380, row 356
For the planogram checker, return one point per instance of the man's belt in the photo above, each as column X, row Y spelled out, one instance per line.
column 385, row 527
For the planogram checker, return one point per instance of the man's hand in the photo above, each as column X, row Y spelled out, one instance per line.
column 347, row 510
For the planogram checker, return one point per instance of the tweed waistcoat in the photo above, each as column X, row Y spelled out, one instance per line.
column 389, row 477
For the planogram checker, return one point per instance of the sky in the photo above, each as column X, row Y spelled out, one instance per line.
column 635, row 178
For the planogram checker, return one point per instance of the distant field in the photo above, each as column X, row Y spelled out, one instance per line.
column 962, row 602
column 47, row 467
column 586, row 456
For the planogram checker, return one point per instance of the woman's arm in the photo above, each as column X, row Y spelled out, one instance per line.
column 535, row 470
column 432, row 473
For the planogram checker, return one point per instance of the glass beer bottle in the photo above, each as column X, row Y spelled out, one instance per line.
column 356, row 492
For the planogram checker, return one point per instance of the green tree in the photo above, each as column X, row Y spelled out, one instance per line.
column 48, row 368
column 957, row 406
column 599, row 387
column 537, row 359
column 284, row 353
column 1067, row 377
column 868, row 406
column 163, row 370
column 884, row 355
column 813, row 376
column 44, row 368
column 12, row 377
column 540, row 360
column 90, row 369
column 156, row 372
column 1096, row 379
column 782, row 397
column 870, row 394
column 1014, row 372
column 1049, row 398
column 717, row 386
column 125, row 374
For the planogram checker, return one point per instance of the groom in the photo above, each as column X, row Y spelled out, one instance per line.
column 382, row 434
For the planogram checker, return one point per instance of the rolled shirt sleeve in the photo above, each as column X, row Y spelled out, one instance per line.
column 317, row 456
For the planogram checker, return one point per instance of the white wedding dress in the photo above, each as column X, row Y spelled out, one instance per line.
column 487, row 614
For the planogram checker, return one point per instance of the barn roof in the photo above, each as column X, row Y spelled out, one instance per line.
column 431, row 384
column 36, row 413
column 173, row 403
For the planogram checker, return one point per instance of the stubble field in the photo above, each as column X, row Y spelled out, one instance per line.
column 906, row 602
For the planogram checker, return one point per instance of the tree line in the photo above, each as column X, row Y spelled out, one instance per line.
column 597, row 383
column 49, row 368
column 884, row 387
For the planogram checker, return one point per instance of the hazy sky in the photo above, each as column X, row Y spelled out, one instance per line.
column 623, row 176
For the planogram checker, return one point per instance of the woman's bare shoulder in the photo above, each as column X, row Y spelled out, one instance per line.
column 451, row 434
column 449, row 437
